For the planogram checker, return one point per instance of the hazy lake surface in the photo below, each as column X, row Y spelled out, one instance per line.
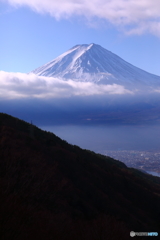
column 101, row 137
column 154, row 173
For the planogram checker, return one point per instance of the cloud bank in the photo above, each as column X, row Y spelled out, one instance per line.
column 131, row 16
column 48, row 101
column 21, row 85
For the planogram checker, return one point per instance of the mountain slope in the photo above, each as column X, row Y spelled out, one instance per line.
column 91, row 62
column 50, row 189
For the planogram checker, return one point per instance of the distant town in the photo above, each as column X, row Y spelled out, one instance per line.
column 148, row 161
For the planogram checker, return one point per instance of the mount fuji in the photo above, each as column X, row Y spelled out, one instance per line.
column 93, row 63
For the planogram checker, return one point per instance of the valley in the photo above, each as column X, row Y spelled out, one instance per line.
column 148, row 161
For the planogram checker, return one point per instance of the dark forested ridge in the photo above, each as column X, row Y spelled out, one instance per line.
column 52, row 190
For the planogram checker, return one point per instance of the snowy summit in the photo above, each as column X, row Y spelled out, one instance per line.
column 93, row 63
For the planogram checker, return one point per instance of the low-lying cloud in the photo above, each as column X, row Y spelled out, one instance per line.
column 49, row 101
column 21, row 85
column 130, row 16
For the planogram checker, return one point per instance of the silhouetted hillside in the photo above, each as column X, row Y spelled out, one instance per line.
column 51, row 190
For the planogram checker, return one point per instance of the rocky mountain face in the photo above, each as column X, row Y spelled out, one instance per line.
column 50, row 189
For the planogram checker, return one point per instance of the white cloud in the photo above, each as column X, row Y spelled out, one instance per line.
column 156, row 90
column 21, row 85
column 131, row 16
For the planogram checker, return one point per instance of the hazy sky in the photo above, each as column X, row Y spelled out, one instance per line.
column 35, row 32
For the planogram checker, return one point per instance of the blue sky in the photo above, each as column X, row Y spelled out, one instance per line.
column 35, row 32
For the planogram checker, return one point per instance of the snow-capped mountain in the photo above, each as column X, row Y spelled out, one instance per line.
column 93, row 63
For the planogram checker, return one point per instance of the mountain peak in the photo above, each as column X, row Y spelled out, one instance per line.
column 93, row 63
column 87, row 46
